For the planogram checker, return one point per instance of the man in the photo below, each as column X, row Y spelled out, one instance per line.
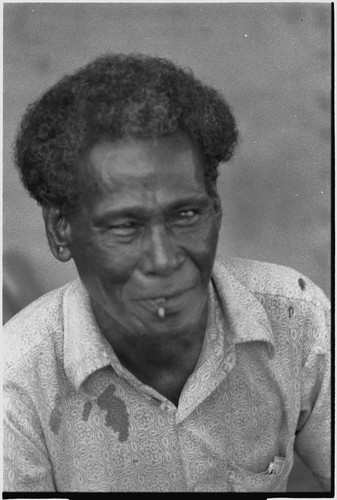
column 158, row 370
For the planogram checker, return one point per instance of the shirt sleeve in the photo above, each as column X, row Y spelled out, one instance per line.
column 26, row 466
column 313, row 435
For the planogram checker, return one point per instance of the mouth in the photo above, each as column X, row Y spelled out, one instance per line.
column 166, row 303
column 165, row 295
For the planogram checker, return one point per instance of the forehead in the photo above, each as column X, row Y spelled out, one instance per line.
column 120, row 168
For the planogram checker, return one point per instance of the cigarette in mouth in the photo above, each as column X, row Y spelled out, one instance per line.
column 161, row 308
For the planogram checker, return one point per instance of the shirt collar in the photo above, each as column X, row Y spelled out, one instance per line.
column 85, row 348
column 244, row 315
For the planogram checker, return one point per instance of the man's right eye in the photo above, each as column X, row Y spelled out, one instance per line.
column 124, row 229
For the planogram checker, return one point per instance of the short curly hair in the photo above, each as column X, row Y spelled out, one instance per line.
column 117, row 96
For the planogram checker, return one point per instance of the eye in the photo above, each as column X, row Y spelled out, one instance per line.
column 125, row 229
column 186, row 217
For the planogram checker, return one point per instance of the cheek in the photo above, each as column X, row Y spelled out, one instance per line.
column 98, row 261
column 201, row 247
column 116, row 266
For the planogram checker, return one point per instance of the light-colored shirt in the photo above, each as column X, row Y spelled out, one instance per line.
column 77, row 420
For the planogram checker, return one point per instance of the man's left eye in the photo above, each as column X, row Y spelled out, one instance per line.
column 186, row 217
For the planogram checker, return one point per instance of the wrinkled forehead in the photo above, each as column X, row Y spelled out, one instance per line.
column 174, row 160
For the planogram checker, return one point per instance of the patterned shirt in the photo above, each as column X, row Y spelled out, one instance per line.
column 77, row 420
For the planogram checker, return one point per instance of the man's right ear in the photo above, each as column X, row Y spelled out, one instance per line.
column 58, row 232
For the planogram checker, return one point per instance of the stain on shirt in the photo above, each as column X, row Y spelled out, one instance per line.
column 116, row 416
column 302, row 284
column 86, row 410
column 56, row 416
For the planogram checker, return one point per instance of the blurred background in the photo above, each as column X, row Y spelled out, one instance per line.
column 272, row 61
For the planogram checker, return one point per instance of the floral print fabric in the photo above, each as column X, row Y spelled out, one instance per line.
column 77, row 420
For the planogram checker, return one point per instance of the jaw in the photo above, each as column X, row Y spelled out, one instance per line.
column 183, row 316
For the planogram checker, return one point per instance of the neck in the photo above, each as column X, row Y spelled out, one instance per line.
column 163, row 361
column 154, row 348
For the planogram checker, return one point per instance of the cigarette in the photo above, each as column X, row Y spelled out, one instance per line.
column 161, row 312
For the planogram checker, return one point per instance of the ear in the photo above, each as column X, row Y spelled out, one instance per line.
column 58, row 232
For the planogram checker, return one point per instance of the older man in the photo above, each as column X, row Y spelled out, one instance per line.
column 158, row 370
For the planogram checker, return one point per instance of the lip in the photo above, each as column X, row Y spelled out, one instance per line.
column 166, row 296
column 174, row 301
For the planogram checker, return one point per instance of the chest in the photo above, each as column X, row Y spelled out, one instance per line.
column 169, row 383
column 121, row 441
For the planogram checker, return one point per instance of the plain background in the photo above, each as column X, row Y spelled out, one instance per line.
column 273, row 64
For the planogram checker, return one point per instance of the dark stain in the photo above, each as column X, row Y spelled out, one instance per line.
column 291, row 311
column 116, row 416
column 302, row 284
column 56, row 416
column 86, row 410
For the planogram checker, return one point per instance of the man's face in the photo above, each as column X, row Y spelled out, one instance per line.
column 146, row 230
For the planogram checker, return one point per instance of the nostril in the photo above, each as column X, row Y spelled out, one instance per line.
column 163, row 262
column 162, row 255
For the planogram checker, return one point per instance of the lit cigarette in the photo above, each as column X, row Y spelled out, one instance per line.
column 161, row 312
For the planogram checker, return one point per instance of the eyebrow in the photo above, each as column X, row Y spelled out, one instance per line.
column 139, row 210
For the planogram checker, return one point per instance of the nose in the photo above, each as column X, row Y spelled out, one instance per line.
column 161, row 254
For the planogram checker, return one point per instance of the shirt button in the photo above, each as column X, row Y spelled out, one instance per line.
column 166, row 407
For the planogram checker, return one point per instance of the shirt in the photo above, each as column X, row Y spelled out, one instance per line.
column 77, row 420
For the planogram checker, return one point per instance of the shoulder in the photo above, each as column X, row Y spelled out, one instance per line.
column 263, row 278
column 291, row 301
column 40, row 321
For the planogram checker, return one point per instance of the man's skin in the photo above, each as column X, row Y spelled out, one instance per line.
column 146, row 230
